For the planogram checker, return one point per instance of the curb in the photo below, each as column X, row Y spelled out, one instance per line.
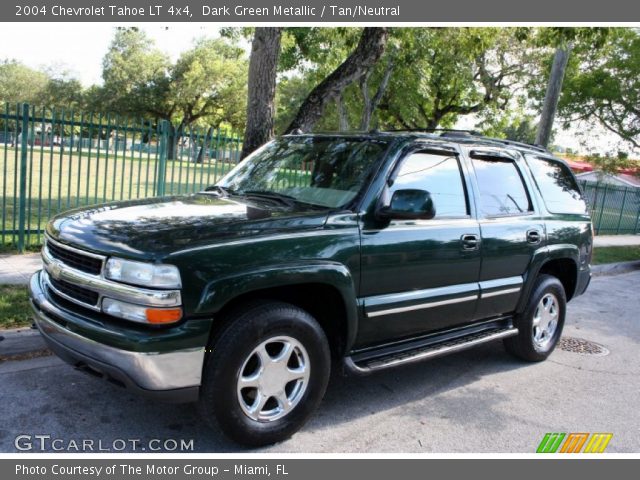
column 20, row 343
column 607, row 269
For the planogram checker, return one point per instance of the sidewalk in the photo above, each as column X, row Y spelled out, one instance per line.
column 616, row 240
column 16, row 269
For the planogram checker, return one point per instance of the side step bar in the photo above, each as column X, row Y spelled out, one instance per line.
column 372, row 364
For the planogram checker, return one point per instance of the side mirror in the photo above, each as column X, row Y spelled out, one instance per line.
column 409, row 204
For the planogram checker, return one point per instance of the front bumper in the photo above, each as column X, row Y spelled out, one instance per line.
column 173, row 376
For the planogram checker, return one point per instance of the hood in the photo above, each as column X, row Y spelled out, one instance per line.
column 152, row 228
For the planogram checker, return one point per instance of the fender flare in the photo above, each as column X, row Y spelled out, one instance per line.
column 220, row 291
column 539, row 260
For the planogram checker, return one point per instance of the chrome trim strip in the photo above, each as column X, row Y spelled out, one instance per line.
column 47, row 282
column 107, row 288
column 421, row 306
column 432, row 353
column 73, row 249
column 149, row 370
column 500, row 292
column 498, row 283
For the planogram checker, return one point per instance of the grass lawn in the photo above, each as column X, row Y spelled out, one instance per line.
column 615, row 254
column 14, row 307
column 59, row 181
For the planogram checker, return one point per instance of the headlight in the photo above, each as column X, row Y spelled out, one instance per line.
column 138, row 313
column 143, row 274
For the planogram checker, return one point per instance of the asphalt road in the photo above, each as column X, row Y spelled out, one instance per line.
column 480, row 400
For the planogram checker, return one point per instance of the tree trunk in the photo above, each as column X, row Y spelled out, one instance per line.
column 205, row 144
column 173, row 140
column 342, row 113
column 552, row 96
column 263, row 64
column 370, row 104
column 369, row 50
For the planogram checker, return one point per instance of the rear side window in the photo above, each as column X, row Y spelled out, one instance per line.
column 440, row 175
column 557, row 186
column 502, row 191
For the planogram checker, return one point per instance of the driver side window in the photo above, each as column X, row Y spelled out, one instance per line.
column 438, row 174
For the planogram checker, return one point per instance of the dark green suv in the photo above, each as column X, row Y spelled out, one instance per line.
column 365, row 251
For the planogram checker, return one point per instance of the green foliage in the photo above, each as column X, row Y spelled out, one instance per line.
column 606, row 87
column 19, row 83
column 134, row 74
column 444, row 73
column 519, row 128
column 207, row 83
column 611, row 162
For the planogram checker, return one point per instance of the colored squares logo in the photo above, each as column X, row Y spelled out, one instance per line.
column 574, row 443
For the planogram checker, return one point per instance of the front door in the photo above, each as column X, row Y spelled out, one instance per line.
column 420, row 276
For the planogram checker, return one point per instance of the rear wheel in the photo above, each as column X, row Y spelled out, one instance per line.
column 266, row 373
column 541, row 323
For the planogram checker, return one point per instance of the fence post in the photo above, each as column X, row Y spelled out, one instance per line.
column 604, row 199
column 24, row 147
column 624, row 200
column 162, row 158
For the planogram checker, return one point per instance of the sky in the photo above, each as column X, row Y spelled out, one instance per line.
column 80, row 47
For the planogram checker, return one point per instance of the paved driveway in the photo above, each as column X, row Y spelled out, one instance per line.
column 481, row 400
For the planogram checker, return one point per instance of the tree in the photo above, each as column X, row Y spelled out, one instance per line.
column 565, row 40
column 265, row 51
column 206, row 84
column 445, row 73
column 19, row 83
column 606, row 87
column 368, row 51
column 135, row 75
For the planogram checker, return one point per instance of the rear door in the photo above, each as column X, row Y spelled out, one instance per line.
column 421, row 276
column 510, row 227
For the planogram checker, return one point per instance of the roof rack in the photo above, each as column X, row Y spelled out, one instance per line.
column 453, row 132
column 442, row 131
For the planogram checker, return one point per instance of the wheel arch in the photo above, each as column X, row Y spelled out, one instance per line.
column 326, row 291
column 560, row 261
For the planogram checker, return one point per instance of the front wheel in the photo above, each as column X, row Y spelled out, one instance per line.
column 540, row 325
column 266, row 373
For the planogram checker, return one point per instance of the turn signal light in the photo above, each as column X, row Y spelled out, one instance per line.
column 165, row 315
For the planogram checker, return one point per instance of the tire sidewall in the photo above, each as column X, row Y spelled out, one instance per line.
column 232, row 350
column 544, row 285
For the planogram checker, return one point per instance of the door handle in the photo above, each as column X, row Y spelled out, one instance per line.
column 533, row 236
column 470, row 241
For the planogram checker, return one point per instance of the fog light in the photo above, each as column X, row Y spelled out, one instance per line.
column 139, row 313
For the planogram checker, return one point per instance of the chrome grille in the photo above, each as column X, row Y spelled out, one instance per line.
column 82, row 294
column 84, row 262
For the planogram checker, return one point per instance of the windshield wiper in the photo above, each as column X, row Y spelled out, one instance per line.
column 225, row 192
column 268, row 194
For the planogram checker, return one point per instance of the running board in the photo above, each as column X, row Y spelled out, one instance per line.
column 372, row 364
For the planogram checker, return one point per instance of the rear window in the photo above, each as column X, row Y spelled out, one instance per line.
column 502, row 191
column 557, row 185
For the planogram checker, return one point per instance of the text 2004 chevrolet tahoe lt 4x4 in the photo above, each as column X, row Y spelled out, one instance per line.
column 364, row 250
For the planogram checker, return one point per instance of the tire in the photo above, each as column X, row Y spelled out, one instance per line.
column 265, row 374
column 540, row 324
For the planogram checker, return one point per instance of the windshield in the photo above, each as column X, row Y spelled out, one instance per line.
column 323, row 171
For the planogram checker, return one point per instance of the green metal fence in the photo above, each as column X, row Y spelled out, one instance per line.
column 54, row 160
column 615, row 210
